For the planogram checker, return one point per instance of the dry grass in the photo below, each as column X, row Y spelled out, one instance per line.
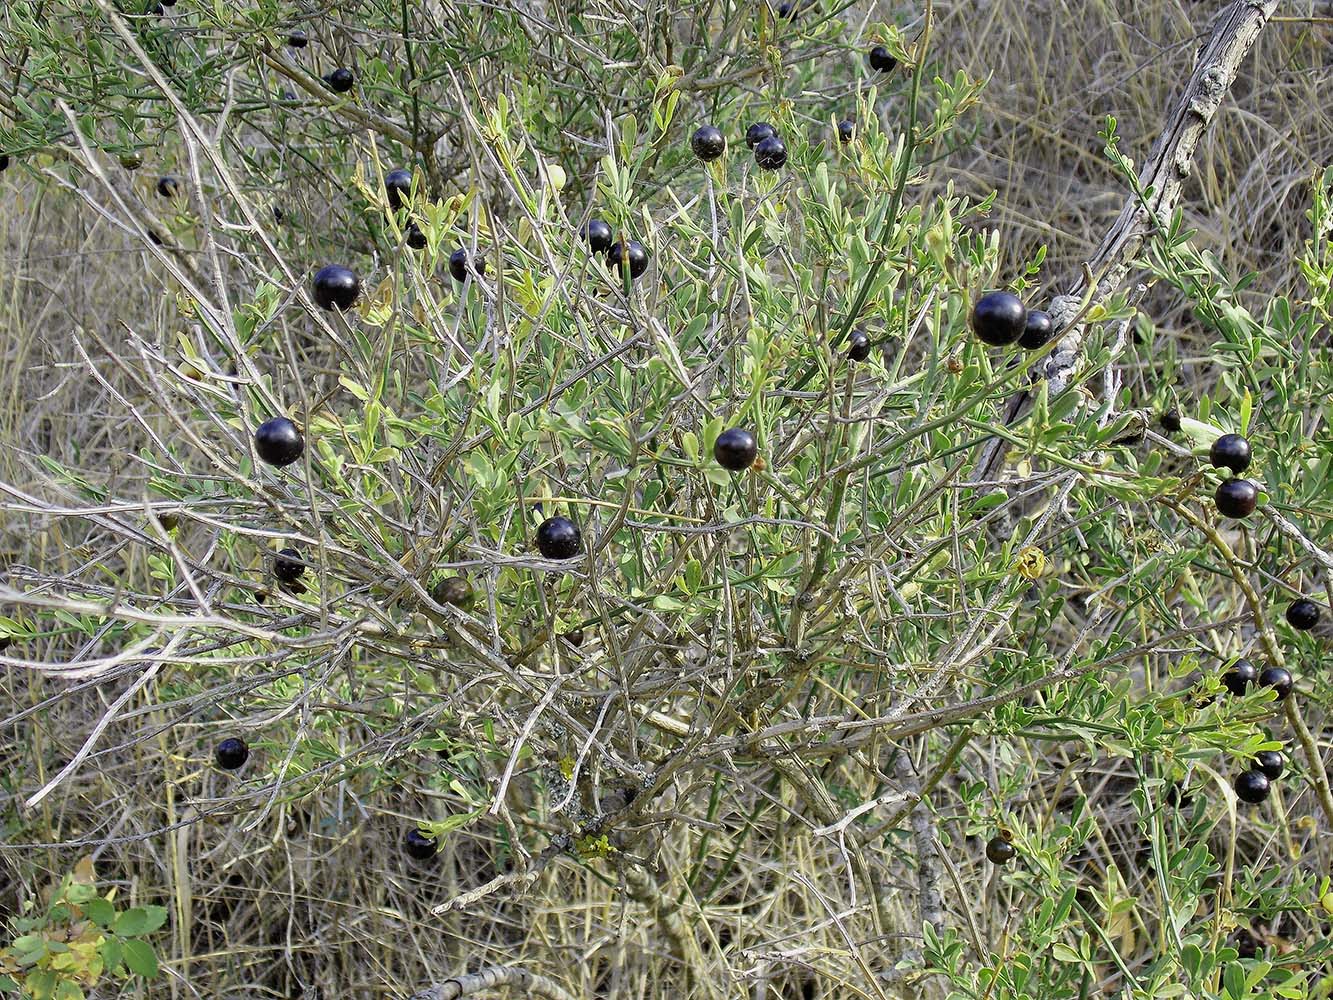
column 313, row 898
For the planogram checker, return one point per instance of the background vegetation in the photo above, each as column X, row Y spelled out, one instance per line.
column 806, row 696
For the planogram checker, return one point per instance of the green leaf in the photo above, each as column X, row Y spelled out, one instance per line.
column 132, row 923
column 99, row 911
column 157, row 916
column 140, row 959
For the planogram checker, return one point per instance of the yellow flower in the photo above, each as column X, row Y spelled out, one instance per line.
column 1031, row 562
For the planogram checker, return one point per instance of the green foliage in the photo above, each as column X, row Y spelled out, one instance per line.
column 77, row 941
column 855, row 598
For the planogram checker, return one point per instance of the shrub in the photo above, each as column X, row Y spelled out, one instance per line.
column 811, row 693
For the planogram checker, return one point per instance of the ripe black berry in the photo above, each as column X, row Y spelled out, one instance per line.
column 1236, row 498
column 881, row 60
column 1252, row 786
column 415, row 238
column 288, row 565
column 453, row 590
column 130, row 161
column 167, row 187
column 1230, row 451
column 278, row 214
column 418, row 846
column 1037, row 330
column 758, row 132
column 298, row 39
column 4, row 162
column 770, row 154
column 574, row 637
column 999, row 851
column 231, row 753
column 340, row 80
column 999, row 318
column 460, row 264
column 597, row 234
column 788, row 11
column 279, row 441
column 735, row 449
column 1171, row 420
column 1241, row 675
column 398, row 186
column 559, row 538
column 1303, row 614
column 631, row 255
column 1278, row 678
column 336, row 287
column 858, row 346
column 1270, row 764
column 846, row 130
column 708, row 143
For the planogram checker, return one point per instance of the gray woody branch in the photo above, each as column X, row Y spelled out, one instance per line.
column 1234, row 31
column 491, row 978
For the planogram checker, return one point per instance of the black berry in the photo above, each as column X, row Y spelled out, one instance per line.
column 298, row 39
column 788, row 11
column 418, row 846
column 758, row 132
column 1230, row 451
column 881, row 60
column 278, row 214
column 999, row 318
column 1278, row 678
column 279, row 441
column 453, row 590
column 231, row 753
column 340, row 80
column 168, row 187
column 999, row 851
column 631, row 255
column 1236, row 498
column 288, row 566
column 398, row 186
column 858, row 346
column 415, row 238
column 4, row 162
column 1171, row 420
column 559, row 538
column 460, row 263
column 846, row 130
column 1270, row 764
column 770, row 154
column 574, row 637
column 1252, row 786
column 708, row 143
column 1037, row 330
column 1303, row 614
column 336, row 287
column 597, row 234
column 735, row 449
column 1241, row 675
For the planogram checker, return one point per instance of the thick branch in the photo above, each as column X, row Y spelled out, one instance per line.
column 492, row 978
column 1163, row 176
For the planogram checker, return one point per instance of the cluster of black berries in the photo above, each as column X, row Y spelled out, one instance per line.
column 770, row 152
column 1253, row 786
column 625, row 256
column 1000, row 318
